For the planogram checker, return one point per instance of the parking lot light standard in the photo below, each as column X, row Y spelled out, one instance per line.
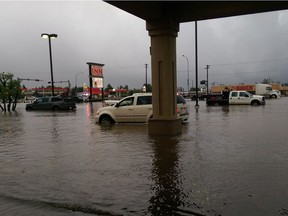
column 49, row 36
column 207, row 91
column 187, row 73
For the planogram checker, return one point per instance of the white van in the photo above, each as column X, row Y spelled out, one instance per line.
column 136, row 108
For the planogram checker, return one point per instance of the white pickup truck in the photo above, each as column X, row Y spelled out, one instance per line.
column 235, row 97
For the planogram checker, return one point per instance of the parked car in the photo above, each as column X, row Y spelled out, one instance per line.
column 51, row 103
column 136, row 108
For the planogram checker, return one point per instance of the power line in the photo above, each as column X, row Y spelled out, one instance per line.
column 28, row 79
column 246, row 72
column 243, row 63
column 124, row 67
column 252, row 62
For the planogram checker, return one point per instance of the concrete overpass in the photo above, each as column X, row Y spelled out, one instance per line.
column 162, row 23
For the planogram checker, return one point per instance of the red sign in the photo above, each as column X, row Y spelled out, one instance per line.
column 96, row 71
column 243, row 88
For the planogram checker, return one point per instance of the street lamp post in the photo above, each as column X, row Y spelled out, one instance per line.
column 49, row 36
column 187, row 73
column 76, row 76
column 146, row 65
column 196, row 64
column 207, row 67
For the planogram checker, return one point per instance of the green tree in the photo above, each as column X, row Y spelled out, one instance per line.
column 148, row 87
column 108, row 88
column 10, row 92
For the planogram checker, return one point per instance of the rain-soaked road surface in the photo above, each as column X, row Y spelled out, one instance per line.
column 227, row 161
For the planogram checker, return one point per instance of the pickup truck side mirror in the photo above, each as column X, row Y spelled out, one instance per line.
column 117, row 105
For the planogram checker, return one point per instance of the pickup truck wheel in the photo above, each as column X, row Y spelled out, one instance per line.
column 55, row 108
column 106, row 119
column 29, row 108
column 255, row 103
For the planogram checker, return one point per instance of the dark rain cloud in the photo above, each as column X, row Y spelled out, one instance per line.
column 239, row 49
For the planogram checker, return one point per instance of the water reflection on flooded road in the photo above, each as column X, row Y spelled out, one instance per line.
column 227, row 161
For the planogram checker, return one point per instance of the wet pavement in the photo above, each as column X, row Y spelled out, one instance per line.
column 227, row 161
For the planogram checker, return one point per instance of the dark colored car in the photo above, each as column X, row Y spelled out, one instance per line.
column 51, row 103
column 77, row 99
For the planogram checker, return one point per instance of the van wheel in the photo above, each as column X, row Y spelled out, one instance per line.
column 106, row 119
column 255, row 103
column 274, row 96
column 55, row 108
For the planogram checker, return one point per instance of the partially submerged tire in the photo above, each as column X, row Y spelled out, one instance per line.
column 255, row 103
column 106, row 119
column 56, row 108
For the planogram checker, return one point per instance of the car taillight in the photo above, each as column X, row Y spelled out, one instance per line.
column 177, row 109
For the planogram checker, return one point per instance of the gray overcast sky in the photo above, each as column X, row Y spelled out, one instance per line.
column 239, row 49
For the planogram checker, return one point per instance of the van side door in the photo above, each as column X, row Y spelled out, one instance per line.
column 143, row 109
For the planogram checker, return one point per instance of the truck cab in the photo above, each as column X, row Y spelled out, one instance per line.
column 239, row 97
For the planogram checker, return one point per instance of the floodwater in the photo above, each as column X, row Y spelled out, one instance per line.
column 228, row 161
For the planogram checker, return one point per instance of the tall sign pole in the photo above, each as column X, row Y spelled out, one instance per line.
column 96, row 77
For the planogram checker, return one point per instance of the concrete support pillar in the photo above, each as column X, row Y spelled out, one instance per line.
column 163, row 35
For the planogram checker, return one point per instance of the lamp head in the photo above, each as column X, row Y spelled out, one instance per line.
column 53, row 35
column 45, row 35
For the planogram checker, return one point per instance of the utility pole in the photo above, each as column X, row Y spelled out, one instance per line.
column 207, row 67
column 146, row 65
column 196, row 65
column 76, row 76
column 37, row 80
column 69, row 84
column 187, row 73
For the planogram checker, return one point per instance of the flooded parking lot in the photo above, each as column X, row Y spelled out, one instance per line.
column 227, row 161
